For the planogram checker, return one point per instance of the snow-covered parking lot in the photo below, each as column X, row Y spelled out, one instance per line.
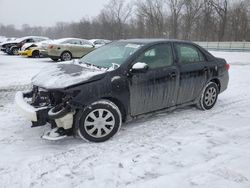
column 181, row 149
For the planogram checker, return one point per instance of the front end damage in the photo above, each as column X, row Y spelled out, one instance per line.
column 43, row 107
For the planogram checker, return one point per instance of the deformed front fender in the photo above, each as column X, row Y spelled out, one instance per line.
column 90, row 92
column 113, row 88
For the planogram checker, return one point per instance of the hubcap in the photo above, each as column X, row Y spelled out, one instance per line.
column 15, row 51
column 99, row 123
column 210, row 96
column 66, row 56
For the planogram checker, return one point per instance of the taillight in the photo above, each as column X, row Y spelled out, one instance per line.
column 228, row 66
column 50, row 46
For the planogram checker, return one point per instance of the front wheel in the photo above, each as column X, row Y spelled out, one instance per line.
column 99, row 121
column 208, row 97
column 14, row 51
column 36, row 54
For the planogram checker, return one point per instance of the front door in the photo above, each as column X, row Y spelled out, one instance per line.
column 157, row 87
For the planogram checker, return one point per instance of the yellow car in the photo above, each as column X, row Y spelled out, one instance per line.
column 31, row 52
column 33, row 49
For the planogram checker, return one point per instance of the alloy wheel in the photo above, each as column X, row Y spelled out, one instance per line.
column 66, row 56
column 15, row 51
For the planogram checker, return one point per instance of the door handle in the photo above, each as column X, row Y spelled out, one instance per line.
column 205, row 69
column 172, row 75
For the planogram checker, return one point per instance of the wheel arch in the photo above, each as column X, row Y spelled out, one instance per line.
column 216, row 81
column 120, row 105
column 66, row 51
column 35, row 51
column 13, row 47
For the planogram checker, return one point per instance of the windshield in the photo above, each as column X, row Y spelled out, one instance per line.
column 111, row 55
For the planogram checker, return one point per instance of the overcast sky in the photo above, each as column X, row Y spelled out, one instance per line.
column 47, row 12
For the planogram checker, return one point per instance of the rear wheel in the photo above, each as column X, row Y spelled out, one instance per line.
column 99, row 121
column 35, row 54
column 208, row 97
column 66, row 56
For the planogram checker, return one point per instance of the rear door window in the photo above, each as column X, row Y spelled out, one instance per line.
column 29, row 40
column 86, row 43
column 75, row 42
column 188, row 54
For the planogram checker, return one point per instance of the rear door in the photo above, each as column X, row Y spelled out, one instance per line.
column 87, row 47
column 193, row 72
column 76, row 48
column 157, row 88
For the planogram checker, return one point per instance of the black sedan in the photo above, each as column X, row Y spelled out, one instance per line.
column 91, row 98
column 12, row 47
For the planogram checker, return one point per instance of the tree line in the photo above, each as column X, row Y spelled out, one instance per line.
column 197, row 20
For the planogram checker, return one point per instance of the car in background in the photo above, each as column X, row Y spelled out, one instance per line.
column 90, row 98
column 35, row 50
column 99, row 42
column 69, row 48
column 12, row 47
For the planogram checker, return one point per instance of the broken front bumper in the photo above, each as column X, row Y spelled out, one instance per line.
column 36, row 115
column 40, row 115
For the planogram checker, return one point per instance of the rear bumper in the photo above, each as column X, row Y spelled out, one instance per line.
column 28, row 111
column 224, row 80
column 44, row 53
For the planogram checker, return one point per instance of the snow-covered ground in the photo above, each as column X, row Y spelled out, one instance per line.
column 185, row 148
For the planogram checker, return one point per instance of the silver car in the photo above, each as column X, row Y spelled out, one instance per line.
column 69, row 48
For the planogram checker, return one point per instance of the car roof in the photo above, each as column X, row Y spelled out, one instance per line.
column 28, row 37
column 148, row 41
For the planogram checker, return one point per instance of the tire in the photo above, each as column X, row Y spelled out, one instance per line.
column 66, row 56
column 208, row 97
column 35, row 54
column 91, row 127
column 14, row 51
column 55, row 59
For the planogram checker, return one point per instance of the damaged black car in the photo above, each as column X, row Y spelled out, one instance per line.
column 92, row 97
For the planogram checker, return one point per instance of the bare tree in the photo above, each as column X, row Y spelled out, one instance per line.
column 152, row 13
column 115, row 14
column 175, row 8
column 238, row 22
column 203, row 20
column 191, row 13
column 221, row 7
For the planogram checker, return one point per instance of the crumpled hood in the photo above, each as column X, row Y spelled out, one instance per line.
column 64, row 75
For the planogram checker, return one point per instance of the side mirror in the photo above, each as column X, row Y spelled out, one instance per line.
column 139, row 67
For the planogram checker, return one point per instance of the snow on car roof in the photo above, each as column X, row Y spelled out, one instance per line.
column 27, row 37
column 60, row 41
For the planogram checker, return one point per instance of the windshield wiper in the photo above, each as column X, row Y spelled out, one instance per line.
column 115, row 65
column 91, row 65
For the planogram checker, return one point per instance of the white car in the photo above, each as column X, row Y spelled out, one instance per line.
column 99, row 42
